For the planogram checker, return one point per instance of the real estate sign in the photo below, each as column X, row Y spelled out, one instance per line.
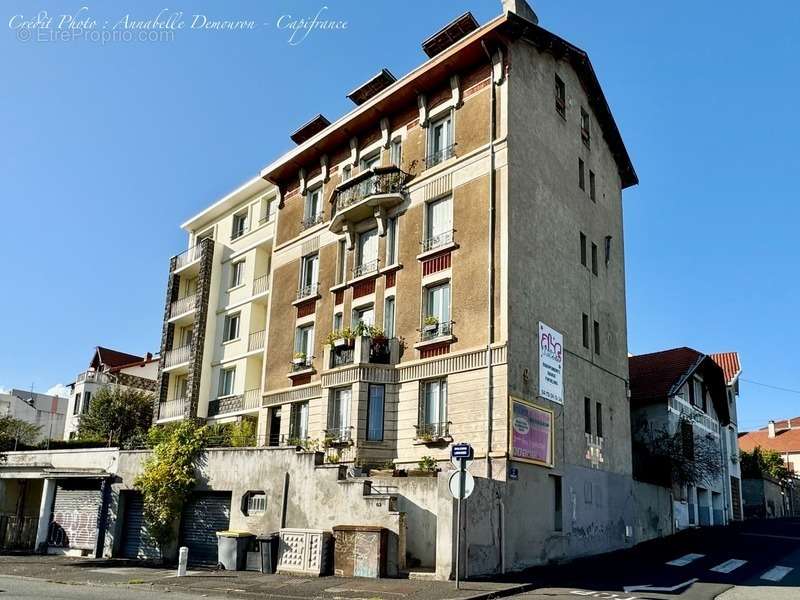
column 531, row 433
column 551, row 364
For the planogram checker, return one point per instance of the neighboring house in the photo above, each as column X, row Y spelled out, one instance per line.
column 731, row 367
column 109, row 367
column 683, row 392
column 782, row 436
column 458, row 208
column 48, row 413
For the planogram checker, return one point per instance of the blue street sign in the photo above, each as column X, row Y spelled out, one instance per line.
column 461, row 451
column 513, row 473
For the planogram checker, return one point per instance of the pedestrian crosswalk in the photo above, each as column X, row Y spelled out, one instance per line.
column 775, row 574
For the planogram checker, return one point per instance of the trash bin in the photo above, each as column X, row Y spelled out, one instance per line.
column 359, row 551
column 232, row 549
column 268, row 546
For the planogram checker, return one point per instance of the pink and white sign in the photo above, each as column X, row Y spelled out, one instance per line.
column 531, row 433
column 551, row 364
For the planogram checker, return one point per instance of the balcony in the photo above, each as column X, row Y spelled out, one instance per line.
column 301, row 365
column 255, row 341
column 182, row 306
column 250, row 400
column 312, row 220
column 343, row 355
column 368, row 194
column 366, row 268
column 261, row 285
column 189, row 256
column 437, row 242
column 339, row 436
column 439, row 156
column 92, row 377
column 170, row 409
column 434, row 331
column 177, row 356
column 307, row 292
column 361, row 350
column 432, row 433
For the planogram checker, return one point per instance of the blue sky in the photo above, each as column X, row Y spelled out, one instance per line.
column 107, row 148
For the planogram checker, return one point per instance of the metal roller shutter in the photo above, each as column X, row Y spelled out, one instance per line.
column 75, row 510
column 204, row 514
column 136, row 540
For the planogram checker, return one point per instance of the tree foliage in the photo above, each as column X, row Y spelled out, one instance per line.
column 681, row 457
column 168, row 476
column 761, row 462
column 117, row 415
column 12, row 429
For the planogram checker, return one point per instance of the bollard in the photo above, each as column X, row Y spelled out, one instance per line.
column 183, row 558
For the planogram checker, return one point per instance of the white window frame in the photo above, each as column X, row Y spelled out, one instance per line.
column 372, row 159
column 359, row 311
column 237, row 274
column 256, row 503
column 227, row 334
column 368, row 236
column 298, row 420
column 389, row 316
column 312, row 261
column 396, row 152
column 309, row 202
column 444, row 313
column 239, row 218
column 433, row 227
column 369, row 433
column 225, row 389
column 440, row 402
column 338, row 321
column 340, row 419
column 299, row 338
column 391, row 241
column 447, row 120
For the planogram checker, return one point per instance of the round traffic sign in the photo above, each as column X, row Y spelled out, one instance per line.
column 453, row 483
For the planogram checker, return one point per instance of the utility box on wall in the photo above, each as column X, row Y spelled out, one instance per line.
column 304, row 551
column 359, row 551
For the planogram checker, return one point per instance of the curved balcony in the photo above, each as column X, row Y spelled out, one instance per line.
column 369, row 194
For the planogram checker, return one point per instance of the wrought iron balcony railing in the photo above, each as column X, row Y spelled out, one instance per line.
column 380, row 351
column 302, row 364
column 438, row 156
column 437, row 241
column 307, row 291
column 188, row 256
column 437, row 330
column 378, row 180
column 365, row 268
column 431, row 432
column 338, row 435
column 312, row 220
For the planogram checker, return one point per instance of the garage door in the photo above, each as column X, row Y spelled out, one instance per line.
column 75, row 510
column 203, row 515
column 136, row 540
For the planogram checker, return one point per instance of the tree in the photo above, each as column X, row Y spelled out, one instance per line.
column 168, row 476
column 117, row 414
column 761, row 462
column 14, row 432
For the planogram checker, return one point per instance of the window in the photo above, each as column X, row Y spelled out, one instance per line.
column 347, row 171
column 375, row 413
column 181, row 387
column 304, row 341
column 77, row 406
column 365, row 315
column 558, row 522
column 596, row 337
column 608, row 249
column 440, row 140
column 438, row 223
column 594, row 258
column 87, row 398
column 583, row 249
column 585, row 134
column 388, row 317
column 226, row 381
column 339, row 414
column 396, row 152
column 581, row 175
column 433, row 413
column 373, row 160
column 256, row 503
column 309, row 270
column 585, row 330
column 437, row 304
column 185, row 336
column 341, row 261
column 598, row 415
column 587, row 415
column 687, row 439
column 270, row 206
column 239, row 225
column 561, row 98
column 391, row 241
column 313, row 209
column 298, row 421
column 338, row 321
column 592, row 191
column 367, row 256
column 231, row 331
column 237, row 274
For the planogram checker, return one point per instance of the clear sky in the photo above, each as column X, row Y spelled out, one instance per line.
column 106, row 148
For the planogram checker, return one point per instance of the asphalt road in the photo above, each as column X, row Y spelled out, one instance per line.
column 15, row 588
column 746, row 561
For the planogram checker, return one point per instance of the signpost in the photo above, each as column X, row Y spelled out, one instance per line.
column 461, row 485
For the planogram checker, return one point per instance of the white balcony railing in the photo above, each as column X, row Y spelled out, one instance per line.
column 261, row 285
column 188, row 256
column 177, row 356
column 256, row 340
column 171, row 408
column 182, row 306
column 92, row 377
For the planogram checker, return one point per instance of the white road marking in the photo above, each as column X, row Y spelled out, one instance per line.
column 729, row 565
column 650, row 588
column 776, row 573
column 772, row 535
column 685, row 560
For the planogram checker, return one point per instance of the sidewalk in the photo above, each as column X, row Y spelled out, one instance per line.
column 243, row 584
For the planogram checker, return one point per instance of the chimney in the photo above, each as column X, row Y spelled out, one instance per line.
column 521, row 9
column 148, row 356
column 789, row 423
column 771, row 429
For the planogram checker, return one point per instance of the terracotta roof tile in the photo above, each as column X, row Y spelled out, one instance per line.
column 729, row 361
column 653, row 375
column 786, row 440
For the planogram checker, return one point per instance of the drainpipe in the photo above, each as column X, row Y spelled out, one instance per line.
column 490, row 269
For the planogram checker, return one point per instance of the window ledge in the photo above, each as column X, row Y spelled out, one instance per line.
column 366, row 277
column 437, row 250
column 338, row 287
column 236, row 287
column 437, row 341
column 301, row 372
column 233, row 341
column 390, row 268
column 305, row 299
column 442, row 441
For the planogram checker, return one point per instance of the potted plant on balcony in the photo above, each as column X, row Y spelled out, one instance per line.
column 335, row 339
column 377, row 334
column 299, row 359
column 430, row 324
column 427, row 468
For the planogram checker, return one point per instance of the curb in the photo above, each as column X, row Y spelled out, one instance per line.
column 511, row 591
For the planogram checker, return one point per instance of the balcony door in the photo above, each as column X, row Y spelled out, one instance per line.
column 437, row 302
column 439, row 220
column 367, row 250
column 339, row 415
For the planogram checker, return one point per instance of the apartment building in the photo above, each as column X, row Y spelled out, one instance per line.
column 732, row 469
column 108, row 367
column 401, row 279
column 46, row 412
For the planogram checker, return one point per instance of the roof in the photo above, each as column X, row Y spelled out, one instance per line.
column 729, row 361
column 449, row 34
column 113, row 358
column 467, row 51
column 307, row 130
column 787, row 440
column 657, row 376
column 369, row 88
column 784, row 424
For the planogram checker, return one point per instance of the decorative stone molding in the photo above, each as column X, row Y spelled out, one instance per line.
column 302, row 177
column 497, row 66
column 354, row 151
column 455, row 90
column 422, row 104
column 292, row 395
column 134, row 381
column 323, row 165
column 385, row 138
